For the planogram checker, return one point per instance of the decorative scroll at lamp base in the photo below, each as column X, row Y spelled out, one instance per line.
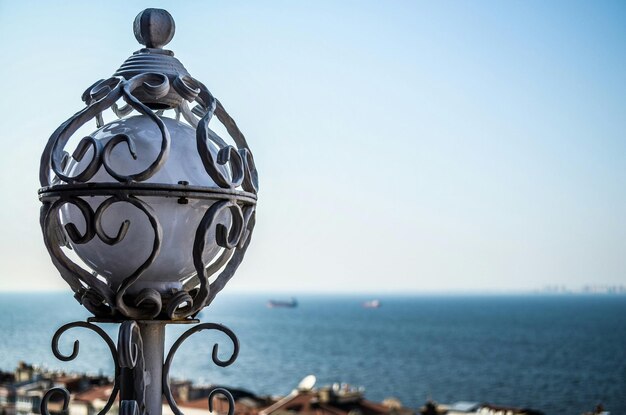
column 141, row 376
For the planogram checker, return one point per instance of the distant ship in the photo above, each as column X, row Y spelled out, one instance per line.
column 284, row 304
column 371, row 304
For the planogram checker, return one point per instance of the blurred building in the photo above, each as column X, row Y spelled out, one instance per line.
column 333, row 400
column 474, row 408
column 92, row 400
column 193, row 400
column 22, row 390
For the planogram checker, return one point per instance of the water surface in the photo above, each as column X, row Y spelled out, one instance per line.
column 561, row 354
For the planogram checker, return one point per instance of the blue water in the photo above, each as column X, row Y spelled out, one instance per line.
column 560, row 354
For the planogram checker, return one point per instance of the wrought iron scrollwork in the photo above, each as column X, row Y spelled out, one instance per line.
column 227, row 395
column 214, row 357
column 71, row 272
column 146, row 87
column 101, row 96
column 242, row 168
column 156, row 85
column 105, row 94
column 75, row 350
column 129, row 355
column 148, row 301
column 105, row 300
column 100, row 298
column 65, row 394
column 180, row 305
column 233, row 240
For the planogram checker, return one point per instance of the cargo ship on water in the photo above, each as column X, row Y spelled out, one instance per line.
column 293, row 303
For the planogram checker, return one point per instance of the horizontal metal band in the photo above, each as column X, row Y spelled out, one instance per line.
column 156, row 321
column 146, row 189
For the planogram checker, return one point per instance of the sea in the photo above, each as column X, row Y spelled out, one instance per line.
column 562, row 354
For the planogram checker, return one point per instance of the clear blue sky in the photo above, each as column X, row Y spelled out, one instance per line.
column 402, row 146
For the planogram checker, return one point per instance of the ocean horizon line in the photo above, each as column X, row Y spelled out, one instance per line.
column 369, row 294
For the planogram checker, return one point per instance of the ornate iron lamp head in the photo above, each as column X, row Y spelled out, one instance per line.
column 152, row 213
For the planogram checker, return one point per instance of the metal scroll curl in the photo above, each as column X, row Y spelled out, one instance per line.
column 251, row 178
column 227, row 395
column 239, row 159
column 130, row 345
column 233, row 239
column 101, row 96
column 96, row 295
column 66, row 358
column 65, row 395
column 93, row 293
column 157, row 85
column 148, row 301
column 131, row 356
column 214, row 357
column 249, row 214
column 227, row 155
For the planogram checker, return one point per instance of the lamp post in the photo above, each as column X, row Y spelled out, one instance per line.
column 149, row 216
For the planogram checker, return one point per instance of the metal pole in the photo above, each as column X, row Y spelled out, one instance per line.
column 153, row 337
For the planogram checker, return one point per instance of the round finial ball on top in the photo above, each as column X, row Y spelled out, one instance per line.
column 154, row 28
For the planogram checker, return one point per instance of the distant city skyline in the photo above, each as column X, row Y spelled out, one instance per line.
column 401, row 146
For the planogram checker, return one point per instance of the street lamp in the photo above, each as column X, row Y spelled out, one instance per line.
column 150, row 215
